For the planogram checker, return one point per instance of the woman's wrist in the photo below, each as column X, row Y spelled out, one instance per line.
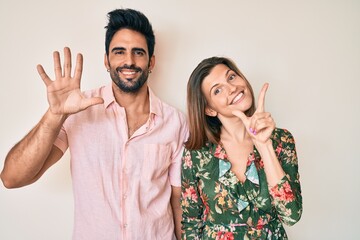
column 264, row 146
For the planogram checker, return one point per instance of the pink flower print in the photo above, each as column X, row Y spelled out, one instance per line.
column 221, row 235
column 220, row 152
column 190, row 193
column 261, row 223
column 187, row 161
column 251, row 158
column 283, row 192
column 278, row 149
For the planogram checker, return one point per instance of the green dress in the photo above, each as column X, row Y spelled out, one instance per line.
column 216, row 205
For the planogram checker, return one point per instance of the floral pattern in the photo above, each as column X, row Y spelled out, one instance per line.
column 216, row 205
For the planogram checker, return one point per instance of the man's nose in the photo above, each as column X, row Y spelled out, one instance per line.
column 129, row 59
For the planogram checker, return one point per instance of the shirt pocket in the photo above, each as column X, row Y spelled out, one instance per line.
column 157, row 160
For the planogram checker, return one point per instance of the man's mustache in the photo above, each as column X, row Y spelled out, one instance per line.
column 132, row 67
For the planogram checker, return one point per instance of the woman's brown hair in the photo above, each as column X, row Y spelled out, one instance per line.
column 204, row 128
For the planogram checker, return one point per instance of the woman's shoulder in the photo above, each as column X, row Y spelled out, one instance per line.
column 197, row 154
column 282, row 135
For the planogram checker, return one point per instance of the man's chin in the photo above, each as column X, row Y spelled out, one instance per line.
column 129, row 89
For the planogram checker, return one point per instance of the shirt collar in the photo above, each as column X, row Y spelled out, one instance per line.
column 155, row 102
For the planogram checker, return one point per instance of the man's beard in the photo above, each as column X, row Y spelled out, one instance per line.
column 129, row 85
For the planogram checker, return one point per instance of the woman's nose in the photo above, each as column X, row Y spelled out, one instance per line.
column 231, row 88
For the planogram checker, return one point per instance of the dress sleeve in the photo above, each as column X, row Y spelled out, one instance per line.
column 286, row 195
column 191, row 202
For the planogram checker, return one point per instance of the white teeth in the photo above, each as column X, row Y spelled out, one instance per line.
column 237, row 98
column 128, row 73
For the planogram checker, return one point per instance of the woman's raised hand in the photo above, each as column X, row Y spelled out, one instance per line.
column 63, row 93
column 260, row 125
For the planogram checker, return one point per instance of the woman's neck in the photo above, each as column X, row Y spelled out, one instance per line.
column 233, row 130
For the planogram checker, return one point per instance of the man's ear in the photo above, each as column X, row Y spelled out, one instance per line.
column 106, row 62
column 152, row 63
column 210, row 112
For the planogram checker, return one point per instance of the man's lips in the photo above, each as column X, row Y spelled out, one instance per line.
column 128, row 72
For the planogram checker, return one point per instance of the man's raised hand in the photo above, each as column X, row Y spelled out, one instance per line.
column 63, row 93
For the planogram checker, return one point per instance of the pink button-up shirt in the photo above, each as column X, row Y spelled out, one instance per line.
column 122, row 186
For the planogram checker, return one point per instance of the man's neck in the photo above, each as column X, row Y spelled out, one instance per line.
column 133, row 102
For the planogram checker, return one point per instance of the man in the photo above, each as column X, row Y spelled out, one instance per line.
column 125, row 143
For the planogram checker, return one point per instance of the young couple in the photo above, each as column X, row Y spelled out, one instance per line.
column 140, row 170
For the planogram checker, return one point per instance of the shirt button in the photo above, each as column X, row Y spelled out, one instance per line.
column 125, row 225
column 125, row 196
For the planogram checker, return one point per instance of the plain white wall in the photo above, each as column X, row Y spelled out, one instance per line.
column 309, row 52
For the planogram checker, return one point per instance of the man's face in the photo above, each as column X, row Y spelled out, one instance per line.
column 128, row 60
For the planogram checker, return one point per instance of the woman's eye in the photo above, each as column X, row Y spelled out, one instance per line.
column 217, row 91
column 232, row 76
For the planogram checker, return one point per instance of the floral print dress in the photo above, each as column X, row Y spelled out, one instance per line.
column 216, row 205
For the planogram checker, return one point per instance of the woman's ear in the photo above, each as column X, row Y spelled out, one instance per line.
column 210, row 112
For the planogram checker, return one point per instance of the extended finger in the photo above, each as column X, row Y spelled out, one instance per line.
column 261, row 100
column 78, row 67
column 57, row 65
column 43, row 75
column 67, row 62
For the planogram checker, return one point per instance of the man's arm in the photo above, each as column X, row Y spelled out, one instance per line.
column 176, row 207
column 34, row 154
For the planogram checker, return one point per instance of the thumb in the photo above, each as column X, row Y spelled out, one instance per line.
column 88, row 102
column 240, row 115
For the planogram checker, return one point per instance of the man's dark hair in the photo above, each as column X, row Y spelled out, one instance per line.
column 129, row 19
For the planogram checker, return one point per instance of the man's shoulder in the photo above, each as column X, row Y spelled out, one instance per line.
column 171, row 111
column 171, row 108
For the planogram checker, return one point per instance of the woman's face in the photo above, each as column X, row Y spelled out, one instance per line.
column 225, row 91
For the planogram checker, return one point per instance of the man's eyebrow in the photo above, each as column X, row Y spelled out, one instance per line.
column 117, row 49
column 124, row 49
column 138, row 49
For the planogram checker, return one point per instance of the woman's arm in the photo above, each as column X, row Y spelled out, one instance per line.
column 191, row 203
column 286, row 194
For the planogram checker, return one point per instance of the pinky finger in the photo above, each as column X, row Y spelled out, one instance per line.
column 43, row 75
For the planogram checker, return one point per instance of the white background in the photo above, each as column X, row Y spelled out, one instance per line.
column 309, row 52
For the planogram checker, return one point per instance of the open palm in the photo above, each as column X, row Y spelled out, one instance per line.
column 63, row 93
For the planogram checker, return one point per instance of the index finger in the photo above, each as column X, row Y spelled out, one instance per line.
column 261, row 100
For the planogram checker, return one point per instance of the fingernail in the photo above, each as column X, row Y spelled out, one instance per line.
column 251, row 130
column 254, row 132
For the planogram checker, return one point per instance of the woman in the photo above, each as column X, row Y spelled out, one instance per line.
column 239, row 174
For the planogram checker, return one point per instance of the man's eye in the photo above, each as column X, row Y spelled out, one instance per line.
column 139, row 53
column 119, row 52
